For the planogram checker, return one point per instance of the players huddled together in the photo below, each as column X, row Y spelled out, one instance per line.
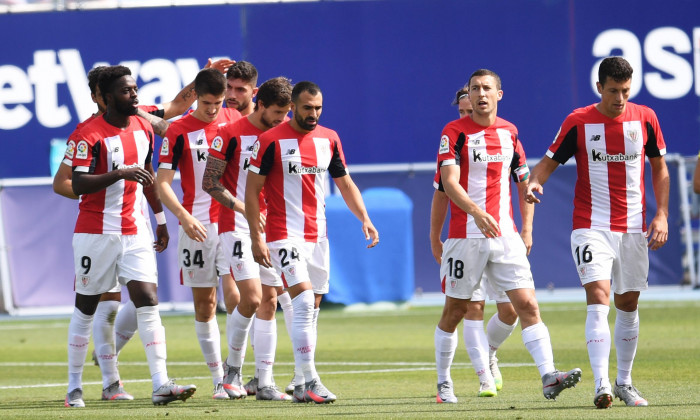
column 252, row 214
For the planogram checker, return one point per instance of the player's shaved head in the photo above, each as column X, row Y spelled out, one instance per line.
column 305, row 86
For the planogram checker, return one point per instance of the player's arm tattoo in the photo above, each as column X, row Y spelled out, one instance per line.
column 211, row 182
column 160, row 126
column 187, row 93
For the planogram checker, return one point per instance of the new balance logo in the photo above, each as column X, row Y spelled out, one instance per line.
column 295, row 169
column 291, row 151
column 250, row 148
column 200, row 142
column 597, row 156
column 595, row 137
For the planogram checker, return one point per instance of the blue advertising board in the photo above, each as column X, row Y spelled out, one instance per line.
column 388, row 69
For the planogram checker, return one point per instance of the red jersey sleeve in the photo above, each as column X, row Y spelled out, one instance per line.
column 565, row 142
column 451, row 143
column 263, row 156
column 337, row 167
column 171, row 148
column 220, row 143
column 519, row 169
column 655, row 145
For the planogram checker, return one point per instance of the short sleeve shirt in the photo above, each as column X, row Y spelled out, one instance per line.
column 609, row 153
column 295, row 166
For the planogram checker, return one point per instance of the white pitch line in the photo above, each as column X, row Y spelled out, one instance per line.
column 410, row 367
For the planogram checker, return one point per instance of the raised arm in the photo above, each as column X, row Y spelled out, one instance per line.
column 184, row 100
column 438, row 214
column 353, row 199
column 657, row 233
column 160, row 126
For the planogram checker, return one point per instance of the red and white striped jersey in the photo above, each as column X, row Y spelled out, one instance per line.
column 295, row 166
column 100, row 148
column 234, row 144
column 185, row 147
column 487, row 157
column 609, row 155
column 73, row 140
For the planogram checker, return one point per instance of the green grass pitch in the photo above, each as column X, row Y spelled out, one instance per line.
column 379, row 364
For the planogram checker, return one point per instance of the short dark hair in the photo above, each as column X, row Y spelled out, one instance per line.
column 277, row 91
column 461, row 94
column 108, row 76
column 486, row 72
column 93, row 77
column 616, row 68
column 305, row 86
column 209, row 81
column 243, row 70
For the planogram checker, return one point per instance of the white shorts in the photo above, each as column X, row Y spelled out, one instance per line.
column 620, row 257
column 298, row 261
column 103, row 262
column 201, row 263
column 485, row 291
column 503, row 259
column 237, row 250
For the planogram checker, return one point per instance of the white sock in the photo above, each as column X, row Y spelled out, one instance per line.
column 477, row 348
column 251, row 333
column 238, row 340
column 598, row 342
column 497, row 332
column 210, row 343
column 287, row 309
column 314, row 326
column 445, row 346
column 103, row 333
column 303, row 336
column 125, row 325
column 152, row 336
column 537, row 342
column 78, row 340
column 265, row 346
column 626, row 337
